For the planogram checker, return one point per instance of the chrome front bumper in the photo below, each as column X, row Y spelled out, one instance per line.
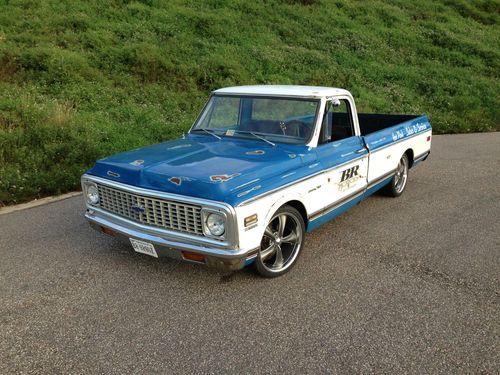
column 170, row 245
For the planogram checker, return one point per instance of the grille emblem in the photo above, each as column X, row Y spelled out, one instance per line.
column 138, row 208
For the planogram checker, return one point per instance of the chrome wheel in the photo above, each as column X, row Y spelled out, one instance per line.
column 281, row 242
column 401, row 175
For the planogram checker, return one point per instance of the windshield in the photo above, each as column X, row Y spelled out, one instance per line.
column 275, row 119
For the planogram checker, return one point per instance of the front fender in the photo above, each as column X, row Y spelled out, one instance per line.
column 265, row 208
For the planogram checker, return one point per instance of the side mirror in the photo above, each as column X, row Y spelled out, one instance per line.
column 335, row 103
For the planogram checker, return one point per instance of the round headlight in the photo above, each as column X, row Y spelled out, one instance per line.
column 216, row 224
column 92, row 194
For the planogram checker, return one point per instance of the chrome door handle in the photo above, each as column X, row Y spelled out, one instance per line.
column 360, row 150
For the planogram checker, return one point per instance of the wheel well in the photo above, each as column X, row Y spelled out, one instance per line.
column 409, row 153
column 299, row 207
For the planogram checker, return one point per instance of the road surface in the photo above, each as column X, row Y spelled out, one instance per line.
column 407, row 285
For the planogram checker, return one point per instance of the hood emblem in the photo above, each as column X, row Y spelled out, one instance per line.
column 137, row 162
column 223, row 177
column 256, row 152
column 176, row 180
column 113, row 174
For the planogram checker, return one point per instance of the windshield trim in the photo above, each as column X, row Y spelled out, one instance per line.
column 263, row 96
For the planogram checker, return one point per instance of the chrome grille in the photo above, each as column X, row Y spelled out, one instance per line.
column 156, row 212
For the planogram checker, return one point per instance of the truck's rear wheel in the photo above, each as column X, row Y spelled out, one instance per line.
column 281, row 243
column 398, row 182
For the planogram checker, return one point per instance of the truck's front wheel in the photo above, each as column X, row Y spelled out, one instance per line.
column 398, row 182
column 281, row 243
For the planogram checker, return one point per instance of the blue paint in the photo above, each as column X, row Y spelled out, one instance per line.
column 230, row 170
column 249, row 262
column 205, row 167
column 313, row 224
column 377, row 187
column 340, row 152
column 398, row 132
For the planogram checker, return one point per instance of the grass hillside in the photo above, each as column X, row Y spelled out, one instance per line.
column 83, row 79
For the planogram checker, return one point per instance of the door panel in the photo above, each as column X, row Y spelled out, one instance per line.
column 346, row 165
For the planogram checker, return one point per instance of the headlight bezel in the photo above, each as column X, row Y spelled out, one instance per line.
column 206, row 213
column 91, row 186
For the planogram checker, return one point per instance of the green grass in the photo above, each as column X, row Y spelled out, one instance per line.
column 83, row 79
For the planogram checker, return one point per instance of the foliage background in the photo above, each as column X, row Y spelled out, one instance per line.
column 83, row 79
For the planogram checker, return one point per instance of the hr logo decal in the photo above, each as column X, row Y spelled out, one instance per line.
column 223, row 177
column 349, row 173
column 349, row 178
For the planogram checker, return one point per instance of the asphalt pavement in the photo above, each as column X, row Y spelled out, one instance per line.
column 406, row 285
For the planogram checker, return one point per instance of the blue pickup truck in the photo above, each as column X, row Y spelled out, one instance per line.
column 260, row 167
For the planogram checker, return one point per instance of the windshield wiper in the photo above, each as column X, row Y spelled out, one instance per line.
column 256, row 136
column 208, row 132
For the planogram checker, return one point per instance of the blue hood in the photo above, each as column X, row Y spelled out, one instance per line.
column 228, row 170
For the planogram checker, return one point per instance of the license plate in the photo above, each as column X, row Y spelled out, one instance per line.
column 143, row 247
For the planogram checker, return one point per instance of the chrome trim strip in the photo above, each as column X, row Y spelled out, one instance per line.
column 345, row 200
column 298, row 97
column 421, row 156
column 250, row 257
column 302, row 179
column 381, row 178
column 335, row 204
column 232, row 229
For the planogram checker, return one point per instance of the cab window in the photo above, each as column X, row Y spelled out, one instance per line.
column 337, row 121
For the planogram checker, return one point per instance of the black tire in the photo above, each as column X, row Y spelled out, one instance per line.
column 398, row 183
column 281, row 243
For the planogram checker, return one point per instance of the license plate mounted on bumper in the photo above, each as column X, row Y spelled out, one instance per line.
column 143, row 247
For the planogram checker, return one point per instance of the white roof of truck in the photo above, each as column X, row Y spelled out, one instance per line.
column 315, row 92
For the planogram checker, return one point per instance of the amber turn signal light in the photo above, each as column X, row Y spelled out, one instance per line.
column 193, row 257
column 107, row 231
column 250, row 220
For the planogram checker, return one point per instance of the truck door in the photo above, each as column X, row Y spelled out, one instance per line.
column 343, row 156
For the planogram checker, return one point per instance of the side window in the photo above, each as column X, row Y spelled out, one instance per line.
column 337, row 121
